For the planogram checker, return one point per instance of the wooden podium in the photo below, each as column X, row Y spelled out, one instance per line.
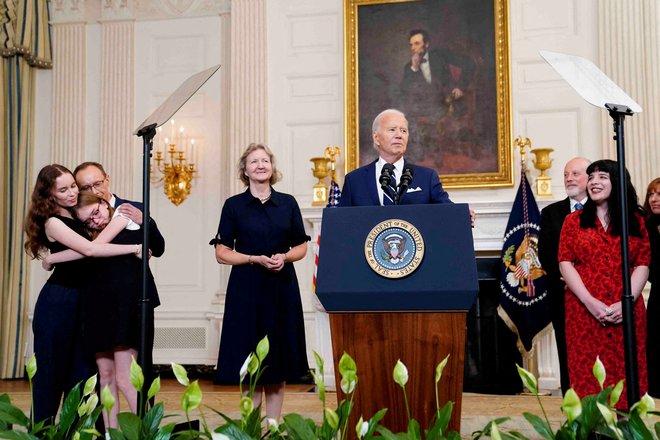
column 418, row 319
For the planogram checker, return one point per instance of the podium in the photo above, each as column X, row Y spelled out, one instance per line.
column 378, row 316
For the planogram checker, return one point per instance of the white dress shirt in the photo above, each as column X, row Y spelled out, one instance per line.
column 398, row 169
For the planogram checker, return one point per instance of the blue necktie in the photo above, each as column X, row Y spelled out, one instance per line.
column 386, row 200
column 578, row 206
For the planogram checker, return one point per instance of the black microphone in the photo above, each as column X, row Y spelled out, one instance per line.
column 404, row 182
column 385, row 180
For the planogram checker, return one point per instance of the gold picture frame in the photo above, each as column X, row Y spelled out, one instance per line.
column 469, row 147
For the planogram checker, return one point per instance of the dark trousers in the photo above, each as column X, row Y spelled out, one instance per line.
column 61, row 361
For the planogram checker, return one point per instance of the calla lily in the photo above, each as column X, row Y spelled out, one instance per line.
column 347, row 365
column 361, row 428
column 262, row 348
column 348, row 383
column 154, row 388
column 319, row 363
column 528, row 379
column 615, row 395
column 608, row 416
column 495, row 432
column 571, row 405
column 192, row 397
column 31, row 367
column 400, row 373
column 136, row 375
column 244, row 368
column 332, row 418
column 107, row 399
column 645, row 404
column 180, row 373
column 599, row 372
column 246, row 404
column 90, row 385
column 440, row 367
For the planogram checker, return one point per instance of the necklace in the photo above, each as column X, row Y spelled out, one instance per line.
column 263, row 198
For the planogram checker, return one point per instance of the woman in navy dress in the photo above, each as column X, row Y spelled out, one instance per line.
column 50, row 226
column 261, row 234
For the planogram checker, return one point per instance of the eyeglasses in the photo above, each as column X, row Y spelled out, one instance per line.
column 96, row 185
column 93, row 216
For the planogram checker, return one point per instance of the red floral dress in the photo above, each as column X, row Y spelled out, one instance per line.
column 596, row 256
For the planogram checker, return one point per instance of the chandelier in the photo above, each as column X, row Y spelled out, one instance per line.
column 172, row 164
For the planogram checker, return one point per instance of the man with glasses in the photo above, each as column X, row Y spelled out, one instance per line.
column 91, row 177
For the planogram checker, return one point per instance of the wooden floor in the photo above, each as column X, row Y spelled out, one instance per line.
column 477, row 410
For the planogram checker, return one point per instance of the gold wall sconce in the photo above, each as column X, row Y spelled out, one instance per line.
column 173, row 164
column 543, row 163
column 323, row 167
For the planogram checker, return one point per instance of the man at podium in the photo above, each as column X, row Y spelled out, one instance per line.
column 365, row 186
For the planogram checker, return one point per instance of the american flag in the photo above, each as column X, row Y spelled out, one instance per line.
column 333, row 201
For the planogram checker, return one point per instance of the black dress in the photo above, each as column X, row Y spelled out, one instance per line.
column 112, row 299
column 653, row 309
column 260, row 302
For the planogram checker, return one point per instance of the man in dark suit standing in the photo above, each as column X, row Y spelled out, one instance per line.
column 552, row 220
column 91, row 177
column 390, row 137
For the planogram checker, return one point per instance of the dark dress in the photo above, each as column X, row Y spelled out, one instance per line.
column 111, row 302
column 653, row 309
column 260, row 302
column 57, row 326
column 596, row 256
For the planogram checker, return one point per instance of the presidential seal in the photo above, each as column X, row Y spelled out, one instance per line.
column 394, row 248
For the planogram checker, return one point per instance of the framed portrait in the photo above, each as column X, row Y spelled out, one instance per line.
column 445, row 64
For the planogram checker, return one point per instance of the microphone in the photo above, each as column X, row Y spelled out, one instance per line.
column 404, row 183
column 385, row 180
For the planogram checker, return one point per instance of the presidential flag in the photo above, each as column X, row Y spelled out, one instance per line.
column 524, row 297
column 333, row 200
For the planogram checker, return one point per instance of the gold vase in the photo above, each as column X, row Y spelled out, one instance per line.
column 543, row 163
column 321, row 170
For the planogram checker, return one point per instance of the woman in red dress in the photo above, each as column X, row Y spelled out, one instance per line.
column 590, row 262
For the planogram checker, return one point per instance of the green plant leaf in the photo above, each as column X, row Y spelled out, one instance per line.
column 319, row 385
column 191, row 397
column 153, row 417
column 180, row 373
column 70, row 408
column 165, row 432
column 400, row 373
column 262, row 349
column 31, row 367
column 17, row 435
column 414, row 432
column 440, row 367
column 528, row 380
column 318, row 360
column 154, row 388
column 608, row 416
column 444, row 416
column 107, row 399
column 90, row 385
column 136, row 375
column 233, row 432
column 13, row 415
column 297, row 428
column 571, row 405
column 116, row 434
column 494, row 431
column 599, row 372
column 130, row 425
column 539, row 425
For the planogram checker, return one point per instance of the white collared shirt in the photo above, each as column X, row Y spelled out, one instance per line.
column 398, row 169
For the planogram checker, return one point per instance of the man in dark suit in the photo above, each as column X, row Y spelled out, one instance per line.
column 91, row 177
column 390, row 136
column 552, row 220
column 432, row 94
